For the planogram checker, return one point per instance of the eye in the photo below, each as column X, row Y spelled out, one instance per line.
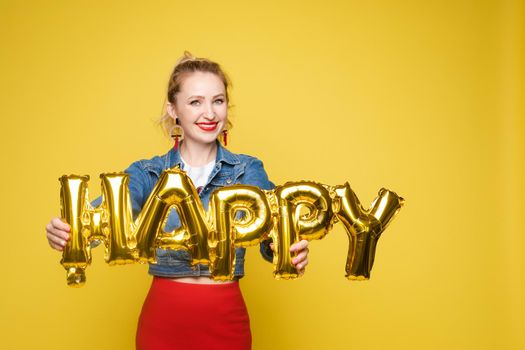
column 219, row 101
column 195, row 103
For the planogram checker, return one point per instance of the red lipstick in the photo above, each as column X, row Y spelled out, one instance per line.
column 208, row 126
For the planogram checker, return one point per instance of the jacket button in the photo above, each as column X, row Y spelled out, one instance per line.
column 228, row 181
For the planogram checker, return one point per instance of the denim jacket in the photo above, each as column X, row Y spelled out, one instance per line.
column 230, row 168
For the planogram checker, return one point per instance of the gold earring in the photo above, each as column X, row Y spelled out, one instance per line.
column 176, row 133
column 225, row 137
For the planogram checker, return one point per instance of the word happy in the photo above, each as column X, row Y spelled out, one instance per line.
column 287, row 214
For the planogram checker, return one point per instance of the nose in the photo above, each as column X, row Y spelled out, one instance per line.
column 209, row 113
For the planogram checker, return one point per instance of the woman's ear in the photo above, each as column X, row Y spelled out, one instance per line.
column 170, row 108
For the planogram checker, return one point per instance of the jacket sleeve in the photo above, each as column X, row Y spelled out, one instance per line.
column 255, row 175
column 139, row 188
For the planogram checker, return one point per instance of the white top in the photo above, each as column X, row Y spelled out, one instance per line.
column 199, row 175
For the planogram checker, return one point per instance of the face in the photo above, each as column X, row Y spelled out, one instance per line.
column 201, row 107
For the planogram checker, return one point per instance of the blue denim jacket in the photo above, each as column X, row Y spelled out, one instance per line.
column 230, row 168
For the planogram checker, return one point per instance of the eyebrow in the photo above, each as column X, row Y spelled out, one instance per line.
column 193, row 96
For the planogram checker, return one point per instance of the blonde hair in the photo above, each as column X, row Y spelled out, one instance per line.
column 188, row 64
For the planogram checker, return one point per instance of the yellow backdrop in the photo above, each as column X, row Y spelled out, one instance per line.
column 422, row 97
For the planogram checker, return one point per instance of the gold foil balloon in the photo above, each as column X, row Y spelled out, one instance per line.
column 231, row 231
column 305, row 212
column 238, row 216
column 174, row 188
column 110, row 223
column 116, row 218
column 364, row 227
column 127, row 241
column 76, row 255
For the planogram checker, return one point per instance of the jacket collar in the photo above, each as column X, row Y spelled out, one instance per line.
column 173, row 158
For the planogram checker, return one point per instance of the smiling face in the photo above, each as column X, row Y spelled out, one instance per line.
column 201, row 107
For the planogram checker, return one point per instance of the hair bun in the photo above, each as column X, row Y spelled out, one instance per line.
column 187, row 56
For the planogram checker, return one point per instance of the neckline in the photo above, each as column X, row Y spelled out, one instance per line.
column 196, row 167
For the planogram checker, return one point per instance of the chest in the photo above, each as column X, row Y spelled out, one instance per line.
column 221, row 175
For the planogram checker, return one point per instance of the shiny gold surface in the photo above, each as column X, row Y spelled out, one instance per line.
column 116, row 219
column 230, row 231
column 76, row 255
column 174, row 189
column 364, row 227
column 304, row 213
column 238, row 216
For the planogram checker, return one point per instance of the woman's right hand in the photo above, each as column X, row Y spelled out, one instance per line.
column 57, row 233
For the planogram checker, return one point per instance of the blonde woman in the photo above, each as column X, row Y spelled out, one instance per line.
column 185, row 308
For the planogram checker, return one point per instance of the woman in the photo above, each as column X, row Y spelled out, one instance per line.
column 185, row 308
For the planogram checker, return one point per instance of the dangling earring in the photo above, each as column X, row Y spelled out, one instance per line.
column 177, row 133
column 225, row 137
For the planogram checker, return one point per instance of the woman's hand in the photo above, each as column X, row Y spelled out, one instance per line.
column 57, row 233
column 301, row 260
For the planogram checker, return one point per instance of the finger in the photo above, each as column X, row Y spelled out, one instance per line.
column 299, row 245
column 302, row 265
column 302, row 256
column 55, row 246
column 57, row 232
column 56, row 240
column 58, row 223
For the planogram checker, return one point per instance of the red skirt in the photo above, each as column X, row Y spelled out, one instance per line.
column 178, row 315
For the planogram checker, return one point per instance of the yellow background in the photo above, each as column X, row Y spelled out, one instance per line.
column 422, row 97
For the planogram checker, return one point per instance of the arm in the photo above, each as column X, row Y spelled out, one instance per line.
column 140, row 184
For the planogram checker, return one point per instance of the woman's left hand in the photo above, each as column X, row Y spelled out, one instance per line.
column 301, row 260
